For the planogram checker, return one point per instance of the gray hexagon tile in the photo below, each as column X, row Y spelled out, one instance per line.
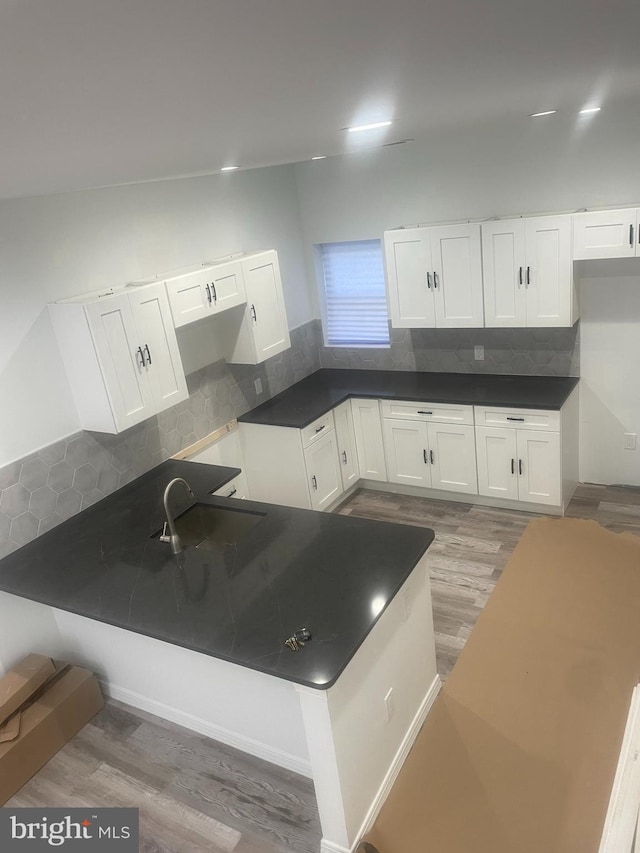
column 24, row 528
column 108, row 480
column 43, row 502
column 49, row 523
column 53, row 453
column 78, row 451
column 14, row 500
column 85, row 479
column 10, row 474
column 68, row 503
column 60, row 476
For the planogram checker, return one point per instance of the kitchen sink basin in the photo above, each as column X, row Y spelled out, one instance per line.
column 212, row 528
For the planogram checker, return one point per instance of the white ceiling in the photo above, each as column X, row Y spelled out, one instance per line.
column 100, row 92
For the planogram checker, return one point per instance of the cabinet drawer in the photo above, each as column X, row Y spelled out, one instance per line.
column 518, row 418
column 317, row 429
column 436, row 412
column 236, row 488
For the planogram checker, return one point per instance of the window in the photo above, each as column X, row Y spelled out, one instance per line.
column 355, row 300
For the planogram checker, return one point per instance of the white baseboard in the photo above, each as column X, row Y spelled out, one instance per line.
column 398, row 759
column 202, row 727
column 329, row 847
column 622, row 814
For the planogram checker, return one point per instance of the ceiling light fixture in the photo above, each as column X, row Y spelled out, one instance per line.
column 545, row 113
column 320, row 157
column 588, row 110
column 374, row 126
column 229, row 168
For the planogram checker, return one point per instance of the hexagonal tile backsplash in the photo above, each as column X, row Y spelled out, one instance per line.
column 56, row 482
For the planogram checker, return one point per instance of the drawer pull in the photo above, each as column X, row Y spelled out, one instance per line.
column 520, row 420
column 146, row 349
column 513, row 466
column 232, row 493
column 429, row 280
column 344, row 457
column 520, row 277
column 208, row 294
column 432, row 457
column 631, row 235
column 520, row 467
column 139, row 350
column 422, row 412
column 320, row 428
column 424, row 456
column 314, row 482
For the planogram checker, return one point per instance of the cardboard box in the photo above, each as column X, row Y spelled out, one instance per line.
column 520, row 749
column 59, row 704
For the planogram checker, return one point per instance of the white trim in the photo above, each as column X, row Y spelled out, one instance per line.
column 459, row 497
column 399, row 759
column 329, row 847
column 211, row 730
column 622, row 814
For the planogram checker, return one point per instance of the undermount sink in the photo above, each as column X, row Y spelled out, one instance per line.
column 204, row 527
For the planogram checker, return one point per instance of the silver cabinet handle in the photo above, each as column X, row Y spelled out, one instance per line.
column 142, row 361
column 435, row 280
column 253, row 314
column 520, row 467
column 528, row 276
column 631, row 234
column 344, row 457
column 432, row 457
column 520, row 277
column 320, row 428
column 424, row 456
column 513, row 466
column 213, row 290
column 423, row 412
column 314, row 482
column 520, row 420
column 208, row 294
column 429, row 280
column 146, row 347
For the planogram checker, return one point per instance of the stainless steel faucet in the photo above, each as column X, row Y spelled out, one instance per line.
column 173, row 539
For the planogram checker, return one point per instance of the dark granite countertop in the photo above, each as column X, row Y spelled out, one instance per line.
column 310, row 398
column 294, row 568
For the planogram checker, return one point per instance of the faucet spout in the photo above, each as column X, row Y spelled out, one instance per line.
column 173, row 539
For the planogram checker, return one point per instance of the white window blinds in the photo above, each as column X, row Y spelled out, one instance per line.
column 356, row 305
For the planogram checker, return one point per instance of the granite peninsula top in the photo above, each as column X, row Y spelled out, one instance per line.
column 320, row 392
column 294, row 568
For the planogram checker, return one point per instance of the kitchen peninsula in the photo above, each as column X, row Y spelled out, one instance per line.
column 199, row 638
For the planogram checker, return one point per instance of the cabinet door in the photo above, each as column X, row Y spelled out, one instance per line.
column 267, row 317
column 503, row 264
column 409, row 278
column 456, row 259
column 157, row 337
column 497, row 462
column 452, row 453
column 369, row 443
column 227, row 286
column 119, row 350
column 346, row 441
column 539, row 479
column 548, row 273
column 189, row 297
column 605, row 234
column 406, row 452
column 323, row 471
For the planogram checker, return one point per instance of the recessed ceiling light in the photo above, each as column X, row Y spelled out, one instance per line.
column 374, row 126
column 588, row 110
column 320, row 157
column 545, row 113
column 229, row 168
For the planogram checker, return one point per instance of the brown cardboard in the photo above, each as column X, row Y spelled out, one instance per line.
column 67, row 703
column 519, row 751
column 21, row 681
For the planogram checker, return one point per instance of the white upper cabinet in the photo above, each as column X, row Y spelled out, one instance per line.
column 409, row 278
column 121, row 356
column 434, row 276
column 457, row 275
column 606, row 234
column 528, row 276
column 261, row 330
column 198, row 294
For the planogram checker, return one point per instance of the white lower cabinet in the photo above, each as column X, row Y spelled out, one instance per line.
column 369, row 442
column 323, row 471
column 121, row 356
column 519, row 464
column 236, row 488
column 346, row 439
column 431, row 455
column 294, row 467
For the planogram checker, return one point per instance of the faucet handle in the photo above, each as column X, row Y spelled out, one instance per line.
column 163, row 536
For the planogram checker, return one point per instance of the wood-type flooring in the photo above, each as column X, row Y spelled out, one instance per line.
column 198, row 796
